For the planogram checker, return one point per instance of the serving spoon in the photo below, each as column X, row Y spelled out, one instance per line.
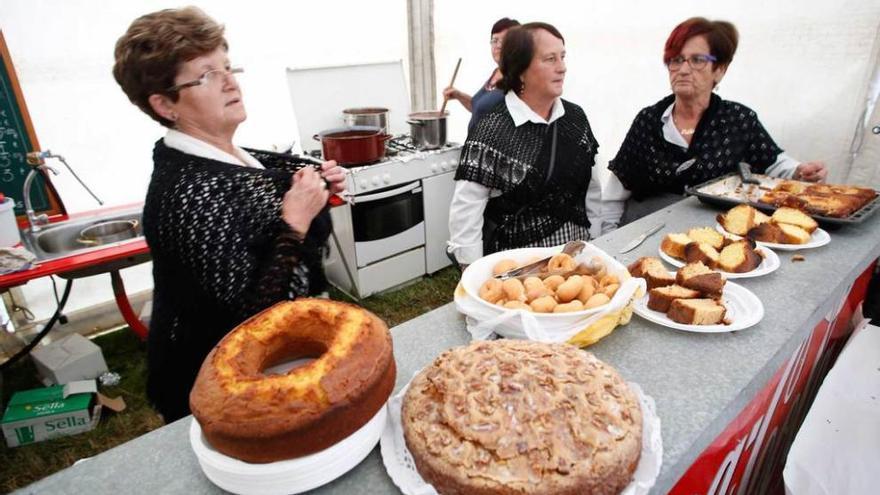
column 571, row 248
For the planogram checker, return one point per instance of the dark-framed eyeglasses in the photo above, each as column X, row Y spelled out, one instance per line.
column 696, row 62
column 211, row 77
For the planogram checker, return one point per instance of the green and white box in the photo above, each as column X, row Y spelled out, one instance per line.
column 41, row 414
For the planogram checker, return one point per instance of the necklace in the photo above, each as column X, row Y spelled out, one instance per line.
column 685, row 131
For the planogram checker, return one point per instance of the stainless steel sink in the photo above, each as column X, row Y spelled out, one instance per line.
column 62, row 239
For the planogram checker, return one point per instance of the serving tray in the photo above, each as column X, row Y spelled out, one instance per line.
column 728, row 191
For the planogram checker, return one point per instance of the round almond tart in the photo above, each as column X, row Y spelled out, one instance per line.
column 513, row 416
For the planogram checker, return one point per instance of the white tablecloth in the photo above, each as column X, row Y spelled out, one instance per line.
column 837, row 450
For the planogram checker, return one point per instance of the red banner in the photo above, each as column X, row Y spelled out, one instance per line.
column 749, row 455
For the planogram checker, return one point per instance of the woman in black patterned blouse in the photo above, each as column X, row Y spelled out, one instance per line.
column 692, row 135
column 231, row 231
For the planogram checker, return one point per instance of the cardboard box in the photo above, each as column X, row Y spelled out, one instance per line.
column 68, row 359
column 40, row 414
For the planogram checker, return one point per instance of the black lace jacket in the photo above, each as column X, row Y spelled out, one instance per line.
column 728, row 133
column 221, row 253
column 535, row 203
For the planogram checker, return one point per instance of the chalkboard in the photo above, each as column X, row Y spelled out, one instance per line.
column 17, row 138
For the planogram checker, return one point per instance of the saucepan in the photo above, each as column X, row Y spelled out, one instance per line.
column 428, row 129
column 370, row 116
column 356, row 145
column 108, row 232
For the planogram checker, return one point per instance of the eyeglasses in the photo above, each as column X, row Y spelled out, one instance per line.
column 696, row 62
column 212, row 77
column 495, row 41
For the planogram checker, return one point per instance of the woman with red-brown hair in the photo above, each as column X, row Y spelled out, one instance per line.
column 692, row 135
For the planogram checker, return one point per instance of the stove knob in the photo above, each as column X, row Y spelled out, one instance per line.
column 387, row 178
column 377, row 181
column 364, row 184
column 434, row 167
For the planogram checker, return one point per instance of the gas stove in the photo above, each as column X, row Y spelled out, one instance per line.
column 394, row 226
column 403, row 163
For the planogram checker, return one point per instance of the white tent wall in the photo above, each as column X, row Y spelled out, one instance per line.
column 63, row 54
column 803, row 66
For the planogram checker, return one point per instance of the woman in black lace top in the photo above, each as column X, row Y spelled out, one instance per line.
column 526, row 167
column 692, row 135
column 231, row 231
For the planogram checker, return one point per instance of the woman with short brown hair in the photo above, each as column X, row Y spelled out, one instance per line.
column 231, row 231
column 525, row 169
column 692, row 135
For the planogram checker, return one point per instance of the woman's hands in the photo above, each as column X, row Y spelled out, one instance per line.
column 334, row 175
column 304, row 200
column 811, row 171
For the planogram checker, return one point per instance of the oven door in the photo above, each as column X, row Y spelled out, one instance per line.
column 388, row 222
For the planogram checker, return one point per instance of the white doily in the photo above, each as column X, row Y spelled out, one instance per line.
column 402, row 469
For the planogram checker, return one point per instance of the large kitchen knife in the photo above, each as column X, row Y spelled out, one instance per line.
column 640, row 239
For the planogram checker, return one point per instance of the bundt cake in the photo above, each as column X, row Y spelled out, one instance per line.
column 258, row 417
column 792, row 234
column 766, row 232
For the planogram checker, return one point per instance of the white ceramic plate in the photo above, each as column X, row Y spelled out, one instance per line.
column 817, row 239
column 289, row 476
column 768, row 265
column 744, row 309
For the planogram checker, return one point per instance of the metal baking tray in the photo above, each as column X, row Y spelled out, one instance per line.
column 728, row 190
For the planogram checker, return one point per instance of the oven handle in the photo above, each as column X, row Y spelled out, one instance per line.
column 366, row 198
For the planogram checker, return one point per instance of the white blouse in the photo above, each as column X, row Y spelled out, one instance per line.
column 470, row 198
column 194, row 146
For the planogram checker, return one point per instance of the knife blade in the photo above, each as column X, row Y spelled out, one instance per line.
column 641, row 238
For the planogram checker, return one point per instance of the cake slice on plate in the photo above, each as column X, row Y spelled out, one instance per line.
column 739, row 257
column 661, row 298
column 697, row 311
column 700, row 277
column 710, row 236
column 674, row 244
column 795, row 217
column 701, row 252
column 652, row 270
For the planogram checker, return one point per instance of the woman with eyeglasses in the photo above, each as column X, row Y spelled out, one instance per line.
column 231, row 231
column 692, row 135
column 488, row 95
column 524, row 175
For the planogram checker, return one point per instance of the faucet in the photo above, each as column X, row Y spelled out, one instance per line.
column 34, row 220
column 36, row 159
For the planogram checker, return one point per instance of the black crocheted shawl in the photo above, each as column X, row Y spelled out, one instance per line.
column 221, row 253
column 728, row 133
column 516, row 161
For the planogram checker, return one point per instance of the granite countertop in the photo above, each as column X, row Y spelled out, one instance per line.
column 700, row 382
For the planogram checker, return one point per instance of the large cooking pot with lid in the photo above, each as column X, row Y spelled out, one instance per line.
column 356, row 145
column 428, row 129
column 370, row 116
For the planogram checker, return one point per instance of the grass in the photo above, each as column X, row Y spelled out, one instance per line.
column 126, row 355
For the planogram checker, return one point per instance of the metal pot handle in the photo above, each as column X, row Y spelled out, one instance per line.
column 87, row 242
column 316, row 137
column 415, row 122
column 385, row 137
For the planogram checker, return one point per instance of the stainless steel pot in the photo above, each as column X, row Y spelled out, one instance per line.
column 428, row 129
column 370, row 116
column 108, row 232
